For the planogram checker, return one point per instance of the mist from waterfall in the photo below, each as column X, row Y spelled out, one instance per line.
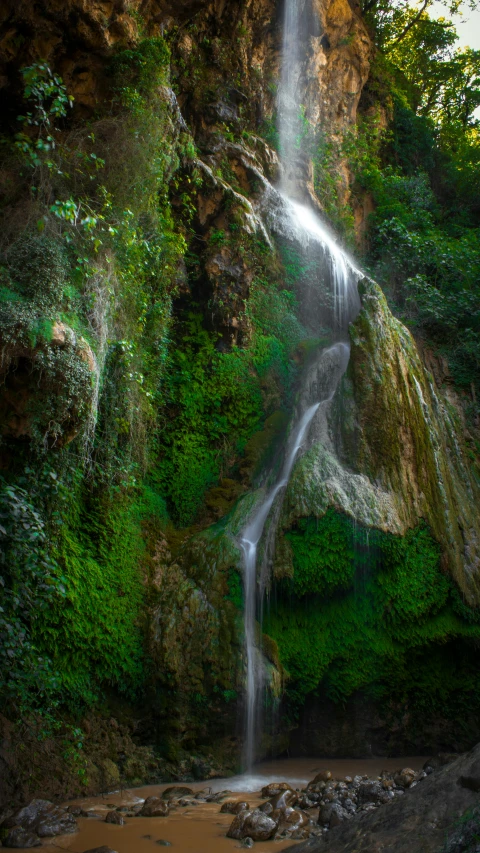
column 329, row 300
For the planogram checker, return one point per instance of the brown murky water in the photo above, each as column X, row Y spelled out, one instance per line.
column 201, row 828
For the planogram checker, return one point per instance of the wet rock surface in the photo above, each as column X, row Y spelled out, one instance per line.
column 402, row 812
column 255, row 825
column 35, row 821
column 115, row 817
column 177, row 791
column 154, row 807
column 234, row 806
column 21, row 838
column 276, row 818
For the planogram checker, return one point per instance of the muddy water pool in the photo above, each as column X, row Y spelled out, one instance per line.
column 202, row 828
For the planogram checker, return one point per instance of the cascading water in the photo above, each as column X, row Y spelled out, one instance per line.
column 330, row 298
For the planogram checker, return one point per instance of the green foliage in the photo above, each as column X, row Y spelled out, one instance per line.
column 431, row 275
column 368, row 610
column 214, row 399
column 119, row 249
column 423, row 177
column 39, row 268
column 139, row 71
column 95, row 636
column 323, row 554
column 49, row 99
column 30, row 584
column 235, row 589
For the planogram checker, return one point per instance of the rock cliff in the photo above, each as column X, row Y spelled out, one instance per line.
column 151, row 347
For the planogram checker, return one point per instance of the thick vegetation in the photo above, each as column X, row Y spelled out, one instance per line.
column 374, row 612
column 423, row 175
column 118, row 446
column 151, row 415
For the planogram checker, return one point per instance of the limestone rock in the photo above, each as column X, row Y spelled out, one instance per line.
column 399, row 458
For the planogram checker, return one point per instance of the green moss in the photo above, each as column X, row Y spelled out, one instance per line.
column 235, row 589
column 217, row 401
column 94, row 636
column 39, row 267
column 322, row 554
column 389, row 605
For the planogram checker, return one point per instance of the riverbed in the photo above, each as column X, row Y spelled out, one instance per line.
column 202, row 828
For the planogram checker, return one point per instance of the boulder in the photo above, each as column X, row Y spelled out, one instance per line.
column 332, row 814
column 284, row 800
column 275, row 788
column 154, row 807
column 203, row 794
column 292, row 820
column 115, row 817
column 255, row 825
column 56, row 822
column 323, row 776
column 177, row 791
column 418, row 821
column 219, row 797
column 234, row 807
column 405, row 777
column 20, row 838
column 43, row 818
column 372, row 792
column 28, row 816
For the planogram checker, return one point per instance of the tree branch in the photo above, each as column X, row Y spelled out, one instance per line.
column 411, row 23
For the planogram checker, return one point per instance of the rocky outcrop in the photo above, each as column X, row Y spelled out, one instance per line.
column 427, row 818
column 39, row 819
column 389, row 450
column 48, row 386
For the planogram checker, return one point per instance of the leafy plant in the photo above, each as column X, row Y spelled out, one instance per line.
column 30, row 583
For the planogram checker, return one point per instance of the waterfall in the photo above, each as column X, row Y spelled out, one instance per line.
column 331, row 299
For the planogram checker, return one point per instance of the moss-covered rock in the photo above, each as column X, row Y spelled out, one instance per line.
column 365, row 611
column 392, row 451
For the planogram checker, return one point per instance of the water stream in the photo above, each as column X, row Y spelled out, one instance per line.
column 329, row 299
